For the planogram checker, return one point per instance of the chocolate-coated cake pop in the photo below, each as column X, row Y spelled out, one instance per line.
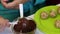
column 24, row 25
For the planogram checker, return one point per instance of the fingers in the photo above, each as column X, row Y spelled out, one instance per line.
column 13, row 4
column 4, row 2
column 1, row 27
column 16, row 7
column 7, row 23
column 3, row 23
column 24, row 1
column 21, row 1
column 7, row 5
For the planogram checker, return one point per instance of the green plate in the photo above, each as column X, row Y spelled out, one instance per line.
column 48, row 25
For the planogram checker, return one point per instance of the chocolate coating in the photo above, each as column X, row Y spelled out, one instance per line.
column 25, row 25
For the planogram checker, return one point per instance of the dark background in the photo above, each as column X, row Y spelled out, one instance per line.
column 52, row 2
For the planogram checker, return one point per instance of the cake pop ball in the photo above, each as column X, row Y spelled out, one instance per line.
column 53, row 13
column 24, row 26
column 57, row 23
column 44, row 15
column 58, row 10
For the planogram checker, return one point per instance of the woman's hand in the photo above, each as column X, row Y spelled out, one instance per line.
column 3, row 23
column 14, row 4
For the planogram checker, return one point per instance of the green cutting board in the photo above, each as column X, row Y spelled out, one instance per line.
column 47, row 26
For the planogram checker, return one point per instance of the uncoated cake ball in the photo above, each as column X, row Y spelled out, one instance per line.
column 44, row 15
column 53, row 13
column 58, row 10
column 57, row 23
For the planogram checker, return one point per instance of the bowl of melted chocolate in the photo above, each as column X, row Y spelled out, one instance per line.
column 24, row 26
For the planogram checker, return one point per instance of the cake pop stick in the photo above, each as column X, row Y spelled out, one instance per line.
column 21, row 10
